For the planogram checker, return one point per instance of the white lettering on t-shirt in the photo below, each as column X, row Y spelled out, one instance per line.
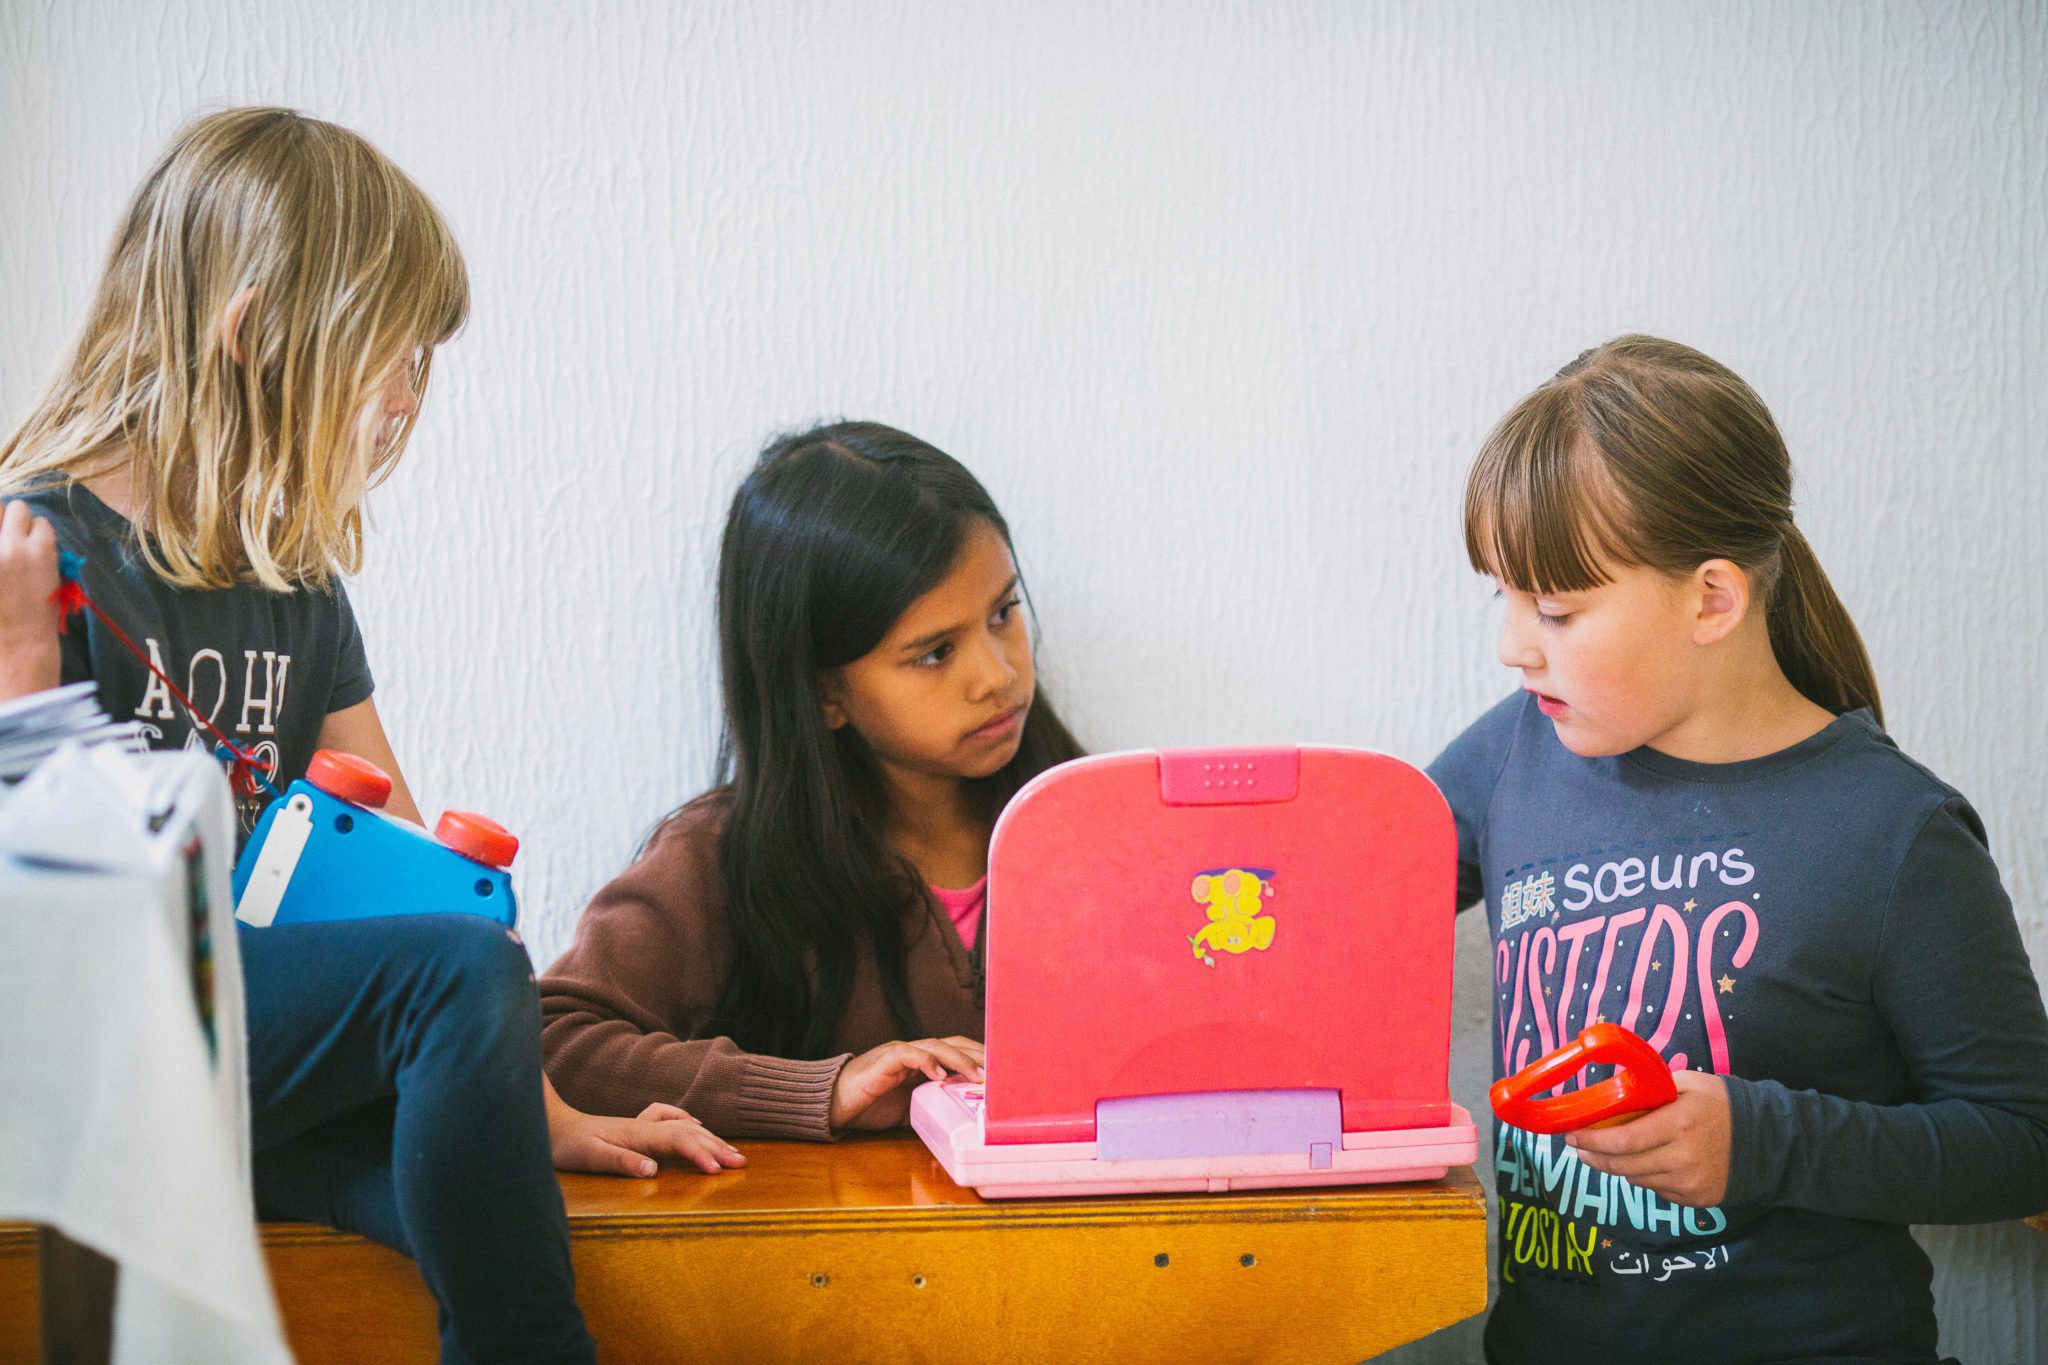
column 157, row 694
column 276, row 669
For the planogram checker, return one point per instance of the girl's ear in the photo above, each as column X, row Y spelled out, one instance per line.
column 1721, row 589
column 231, row 320
column 831, row 698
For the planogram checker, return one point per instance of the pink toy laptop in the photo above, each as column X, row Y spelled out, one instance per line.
column 1220, row 969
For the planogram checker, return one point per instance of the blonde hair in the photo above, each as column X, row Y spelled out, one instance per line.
column 1646, row 453
column 252, row 469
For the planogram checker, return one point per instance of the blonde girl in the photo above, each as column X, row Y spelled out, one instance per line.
column 252, row 362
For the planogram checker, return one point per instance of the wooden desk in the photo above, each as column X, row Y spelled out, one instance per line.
column 866, row 1251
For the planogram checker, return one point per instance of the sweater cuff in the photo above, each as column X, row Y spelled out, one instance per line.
column 781, row 1098
column 1748, row 1179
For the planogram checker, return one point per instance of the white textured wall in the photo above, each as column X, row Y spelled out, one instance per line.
column 1218, row 299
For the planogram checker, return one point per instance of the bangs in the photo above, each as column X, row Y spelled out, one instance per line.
column 1542, row 515
column 433, row 281
column 444, row 299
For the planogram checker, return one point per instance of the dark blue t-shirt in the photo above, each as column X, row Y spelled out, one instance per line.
column 265, row 668
column 1825, row 928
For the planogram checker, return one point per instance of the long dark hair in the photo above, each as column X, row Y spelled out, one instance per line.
column 1645, row 452
column 830, row 539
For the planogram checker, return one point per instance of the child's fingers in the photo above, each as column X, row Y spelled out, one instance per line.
column 1681, row 1182
column 691, row 1130
column 720, row 1153
column 605, row 1157
column 42, row 543
column 685, row 1138
column 14, row 523
column 948, row 1053
column 695, row 1152
column 659, row 1111
column 1639, row 1167
column 1647, row 1133
column 972, row 1047
column 28, row 546
column 907, row 1061
column 899, row 1063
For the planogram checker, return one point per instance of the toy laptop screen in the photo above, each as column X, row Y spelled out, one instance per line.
column 1220, row 920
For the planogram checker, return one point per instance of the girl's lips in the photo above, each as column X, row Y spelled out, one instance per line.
column 1548, row 705
column 1002, row 727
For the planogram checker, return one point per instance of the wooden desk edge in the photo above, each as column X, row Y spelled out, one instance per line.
column 1457, row 1197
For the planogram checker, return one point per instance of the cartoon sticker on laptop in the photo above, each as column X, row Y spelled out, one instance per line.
column 1235, row 899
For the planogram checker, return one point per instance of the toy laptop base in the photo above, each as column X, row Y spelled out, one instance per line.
column 947, row 1115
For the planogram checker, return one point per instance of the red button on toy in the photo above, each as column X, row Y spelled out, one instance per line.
column 476, row 836
column 1642, row 1082
column 349, row 778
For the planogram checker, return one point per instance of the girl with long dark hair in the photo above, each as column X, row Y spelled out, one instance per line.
column 792, row 951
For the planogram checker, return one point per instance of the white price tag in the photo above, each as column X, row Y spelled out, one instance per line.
column 282, row 845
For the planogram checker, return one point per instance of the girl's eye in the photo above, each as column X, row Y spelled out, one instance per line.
column 1553, row 618
column 1006, row 611
column 934, row 656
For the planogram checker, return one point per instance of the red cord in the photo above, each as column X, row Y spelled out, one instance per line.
column 247, row 773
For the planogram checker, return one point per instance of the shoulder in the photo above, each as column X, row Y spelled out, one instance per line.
column 1915, row 842
column 682, row 851
column 1943, row 899
column 49, row 498
column 1472, row 763
column 1881, row 751
column 1892, row 786
column 83, row 524
column 699, row 823
column 669, row 895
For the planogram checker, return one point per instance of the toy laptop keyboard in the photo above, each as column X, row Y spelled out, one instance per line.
column 1213, row 970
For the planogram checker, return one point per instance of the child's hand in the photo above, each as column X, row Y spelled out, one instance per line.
column 28, row 623
column 615, row 1146
column 874, row 1088
column 1679, row 1151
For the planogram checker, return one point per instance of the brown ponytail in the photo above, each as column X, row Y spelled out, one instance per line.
column 1645, row 453
column 1813, row 637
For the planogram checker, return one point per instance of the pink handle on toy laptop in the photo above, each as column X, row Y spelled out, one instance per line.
column 1229, row 777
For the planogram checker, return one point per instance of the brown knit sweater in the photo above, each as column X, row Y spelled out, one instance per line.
column 626, row 1010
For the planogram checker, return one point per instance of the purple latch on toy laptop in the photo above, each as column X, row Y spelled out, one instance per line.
column 1220, row 1123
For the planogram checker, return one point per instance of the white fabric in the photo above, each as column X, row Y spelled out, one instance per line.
column 115, row 1124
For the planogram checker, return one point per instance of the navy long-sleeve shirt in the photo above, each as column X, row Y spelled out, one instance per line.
column 1825, row 928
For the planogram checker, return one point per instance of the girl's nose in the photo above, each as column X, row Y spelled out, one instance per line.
column 399, row 398
column 993, row 672
column 1517, row 650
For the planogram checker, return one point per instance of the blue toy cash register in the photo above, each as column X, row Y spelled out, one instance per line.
column 327, row 851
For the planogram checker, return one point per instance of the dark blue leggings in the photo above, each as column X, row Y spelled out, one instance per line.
column 394, row 1086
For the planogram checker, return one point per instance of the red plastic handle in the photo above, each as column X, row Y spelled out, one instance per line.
column 477, row 836
column 350, row 778
column 1642, row 1082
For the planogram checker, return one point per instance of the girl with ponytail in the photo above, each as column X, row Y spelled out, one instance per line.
column 1689, row 821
